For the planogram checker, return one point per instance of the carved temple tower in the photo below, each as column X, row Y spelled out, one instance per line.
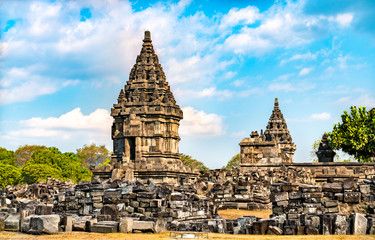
column 278, row 130
column 274, row 146
column 145, row 127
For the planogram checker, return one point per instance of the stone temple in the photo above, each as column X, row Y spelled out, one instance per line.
column 145, row 127
column 274, row 146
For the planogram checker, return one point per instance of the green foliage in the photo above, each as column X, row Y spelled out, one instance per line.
column 24, row 153
column 7, row 157
column 50, row 162
column 337, row 158
column 234, row 162
column 193, row 163
column 32, row 173
column 93, row 155
column 355, row 134
column 107, row 162
column 9, row 175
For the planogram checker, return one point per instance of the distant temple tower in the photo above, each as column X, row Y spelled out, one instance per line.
column 145, row 127
column 273, row 146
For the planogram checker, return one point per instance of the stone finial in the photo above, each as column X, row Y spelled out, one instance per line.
column 147, row 37
column 325, row 153
column 276, row 103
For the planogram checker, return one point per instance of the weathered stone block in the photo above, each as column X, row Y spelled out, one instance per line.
column 310, row 189
column 277, row 197
column 330, row 203
column 105, row 227
column 365, row 188
column 340, row 225
column 144, row 226
column 273, row 230
column 352, row 197
column 335, row 187
column 67, row 223
column 126, row 225
column 12, row 222
column 43, row 209
column 260, row 227
column 295, row 195
column 310, row 230
column 48, row 224
column 327, row 224
column 89, row 223
column 359, row 224
column 111, row 210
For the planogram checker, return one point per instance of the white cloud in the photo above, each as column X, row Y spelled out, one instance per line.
column 243, row 16
column 344, row 19
column 289, row 87
column 74, row 126
column 98, row 120
column 312, row 118
column 321, row 116
column 297, row 57
column 363, row 100
column 305, row 71
column 206, row 92
column 239, row 134
column 26, row 91
column 200, row 124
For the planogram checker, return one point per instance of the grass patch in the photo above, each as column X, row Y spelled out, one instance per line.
column 144, row 236
column 234, row 213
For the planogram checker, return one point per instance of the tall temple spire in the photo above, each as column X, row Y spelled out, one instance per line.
column 146, row 120
column 274, row 146
column 276, row 127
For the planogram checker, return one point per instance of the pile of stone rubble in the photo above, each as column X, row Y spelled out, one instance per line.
column 250, row 190
column 338, row 207
column 104, row 207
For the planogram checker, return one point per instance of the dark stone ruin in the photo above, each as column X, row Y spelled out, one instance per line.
column 147, row 188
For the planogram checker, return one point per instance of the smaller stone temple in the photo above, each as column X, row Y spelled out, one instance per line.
column 274, row 146
column 325, row 153
column 145, row 127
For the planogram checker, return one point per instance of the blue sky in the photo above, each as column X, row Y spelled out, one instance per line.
column 63, row 64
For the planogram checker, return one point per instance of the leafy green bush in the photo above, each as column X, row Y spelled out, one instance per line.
column 61, row 166
column 234, row 162
column 32, row 173
column 9, row 175
column 193, row 163
column 7, row 157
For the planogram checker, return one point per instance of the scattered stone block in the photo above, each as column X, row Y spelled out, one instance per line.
column 105, row 227
column 48, row 224
column 126, row 225
column 352, row 197
column 359, row 224
column 144, row 226
column 12, row 222
column 273, row 230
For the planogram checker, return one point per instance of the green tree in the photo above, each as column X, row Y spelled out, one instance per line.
column 50, row 162
column 337, row 158
column 193, row 163
column 234, row 162
column 7, row 157
column 93, row 155
column 32, row 173
column 9, row 175
column 355, row 134
column 24, row 153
